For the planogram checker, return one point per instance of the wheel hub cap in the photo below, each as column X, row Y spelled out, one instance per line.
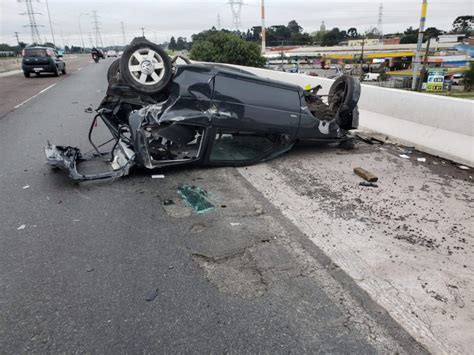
column 147, row 67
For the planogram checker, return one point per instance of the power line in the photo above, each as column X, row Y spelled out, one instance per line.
column 98, row 37
column 35, row 36
column 236, row 8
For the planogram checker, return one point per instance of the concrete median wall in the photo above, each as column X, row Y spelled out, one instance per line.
column 438, row 125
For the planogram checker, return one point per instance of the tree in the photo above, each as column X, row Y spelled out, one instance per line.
column 293, row 27
column 181, row 44
column 172, row 45
column 352, row 33
column 333, row 37
column 463, row 24
column 409, row 36
column 229, row 48
column 432, row 32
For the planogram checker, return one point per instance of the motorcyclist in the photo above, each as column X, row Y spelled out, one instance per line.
column 95, row 54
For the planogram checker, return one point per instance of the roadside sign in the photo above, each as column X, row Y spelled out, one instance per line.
column 435, row 80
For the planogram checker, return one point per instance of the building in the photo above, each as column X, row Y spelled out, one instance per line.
column 367, row 42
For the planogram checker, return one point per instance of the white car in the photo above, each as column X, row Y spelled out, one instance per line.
column 111, row 53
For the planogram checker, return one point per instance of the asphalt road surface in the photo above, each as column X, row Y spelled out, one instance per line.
column 78, row 262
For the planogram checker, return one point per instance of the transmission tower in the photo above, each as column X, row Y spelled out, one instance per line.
column 379, row 23
column 35, row 37
column 218, row 21
column 98, row 37
column 236, row 8
column 124, row 39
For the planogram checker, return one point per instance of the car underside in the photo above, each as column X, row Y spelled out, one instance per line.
column 162, row 113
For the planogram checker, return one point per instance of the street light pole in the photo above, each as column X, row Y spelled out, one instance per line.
column 80, row 30
column 264, row 44
column 419, row 44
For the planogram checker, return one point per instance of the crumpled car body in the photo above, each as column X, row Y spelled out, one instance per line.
column 208, row 115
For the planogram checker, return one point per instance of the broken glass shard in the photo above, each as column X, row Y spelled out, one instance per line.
column 196, row 198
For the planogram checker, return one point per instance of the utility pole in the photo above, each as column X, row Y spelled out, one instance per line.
column 50, row 23
column 416, row 63
column 423, row 68
column 124, row 39
column 236, row 8
column 35, row 37
column 98, row 37
column 379, row 23
column 143, row 32
column 264, row 43
column 362, row 59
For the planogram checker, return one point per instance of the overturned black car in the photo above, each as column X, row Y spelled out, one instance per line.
column 161, row 113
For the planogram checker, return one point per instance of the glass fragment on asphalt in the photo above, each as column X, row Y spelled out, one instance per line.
column 196, row 198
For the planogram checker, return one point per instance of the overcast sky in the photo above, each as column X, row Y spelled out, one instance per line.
column 163, row 18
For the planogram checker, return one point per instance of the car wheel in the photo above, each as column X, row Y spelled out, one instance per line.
column 63, row 71
column 56, row 71
column 26, row 74
column 145, row 67
column 113, row 71
column 344, row 93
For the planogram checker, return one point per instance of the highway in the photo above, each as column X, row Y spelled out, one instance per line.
column 126, row 266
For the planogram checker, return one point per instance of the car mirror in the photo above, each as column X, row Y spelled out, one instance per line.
column 60, row 55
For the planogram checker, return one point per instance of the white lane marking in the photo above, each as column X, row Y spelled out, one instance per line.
column 32, row 97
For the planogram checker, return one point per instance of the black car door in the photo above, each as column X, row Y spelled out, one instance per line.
column 255, row 104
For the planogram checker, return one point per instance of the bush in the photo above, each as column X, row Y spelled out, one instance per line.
column 228, row 48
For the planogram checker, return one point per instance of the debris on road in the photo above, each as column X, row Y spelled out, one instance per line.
column 369, row 140
column 23, row 226
column 89, row 110
column 168, row 202
column 159, row 176
column 404, row 156
column 367, row 175
column 26, row 187
column 151, row 296
column 421, row 160
column 196, row 198
column 367, row 184
column 463, row 167
column 234, row 224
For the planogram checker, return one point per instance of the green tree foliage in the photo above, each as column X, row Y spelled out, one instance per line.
column 222, row 47
column 181, row 44
column 333, row 37
column 463, row 24
column 409, row 36
column 432, row 32
column 172, row 44
column 352, row 33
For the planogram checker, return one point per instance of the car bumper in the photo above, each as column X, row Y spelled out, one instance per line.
column 38, row 68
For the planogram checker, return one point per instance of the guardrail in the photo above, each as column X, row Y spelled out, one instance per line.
column 437, row 125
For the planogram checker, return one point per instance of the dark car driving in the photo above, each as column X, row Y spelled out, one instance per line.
column 39, row 60
column 161, row 115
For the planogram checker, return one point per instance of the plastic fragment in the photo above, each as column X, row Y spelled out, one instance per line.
column 233, row 224
column 159, row 176
column 23, row 226
column 421, row 159
column 26, row 187
column 404, row 156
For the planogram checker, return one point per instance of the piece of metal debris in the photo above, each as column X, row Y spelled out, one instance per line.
column 196, row 198
column 23, row 226
column 151, row 296
column 159, row 176
column 404, row 156
column 367, row 184
column 367, row 175
column 89, row 110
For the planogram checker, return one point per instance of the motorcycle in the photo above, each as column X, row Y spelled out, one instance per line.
column 95, row 57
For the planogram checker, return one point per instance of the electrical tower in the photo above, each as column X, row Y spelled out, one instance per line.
column 379, row 23
column 124, row 39
column 98, row 37
column 218, row 21
column 236, row 8
column 35, row 37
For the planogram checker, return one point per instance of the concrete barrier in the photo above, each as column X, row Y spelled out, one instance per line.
column 437, row 125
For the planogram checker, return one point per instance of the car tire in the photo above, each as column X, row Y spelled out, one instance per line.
column 145, row 67
column 56, row 71
column 113, row 71
column 26, row 74
column 63, row 71
column 351, row 87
